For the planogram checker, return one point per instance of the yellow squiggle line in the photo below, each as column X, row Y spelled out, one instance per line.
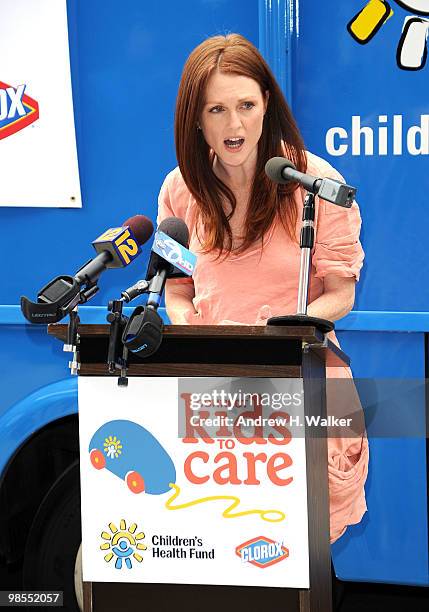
column 227, row 513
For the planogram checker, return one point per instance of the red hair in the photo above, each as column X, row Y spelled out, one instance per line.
column 233, row 54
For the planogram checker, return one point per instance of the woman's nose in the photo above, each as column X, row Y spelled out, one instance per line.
column 234, row 120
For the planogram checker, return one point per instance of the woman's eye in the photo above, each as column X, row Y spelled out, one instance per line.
column 215, row 109
column 248, row 105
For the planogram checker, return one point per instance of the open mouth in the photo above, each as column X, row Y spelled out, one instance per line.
column 234, row 143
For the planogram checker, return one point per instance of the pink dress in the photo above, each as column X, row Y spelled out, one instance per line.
column 250, row 287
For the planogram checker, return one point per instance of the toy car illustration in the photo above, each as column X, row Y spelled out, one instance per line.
column 130, row 452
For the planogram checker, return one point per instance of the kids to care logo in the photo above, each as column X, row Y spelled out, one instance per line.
column 412, row 50
column 262, row 552
column 17, row 110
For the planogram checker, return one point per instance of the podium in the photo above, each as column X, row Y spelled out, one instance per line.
column 232, row 351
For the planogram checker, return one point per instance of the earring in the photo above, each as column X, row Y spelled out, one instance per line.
column 198, row 126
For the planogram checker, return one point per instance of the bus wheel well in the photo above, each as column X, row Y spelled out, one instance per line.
column 29, row 475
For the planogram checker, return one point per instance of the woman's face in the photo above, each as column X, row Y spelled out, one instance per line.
column 232, row 117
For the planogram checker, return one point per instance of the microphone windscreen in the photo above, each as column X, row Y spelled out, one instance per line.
column 141, row 226
column 175, row 228
column 275, row 166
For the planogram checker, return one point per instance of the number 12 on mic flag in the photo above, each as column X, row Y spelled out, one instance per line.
column 121, row 243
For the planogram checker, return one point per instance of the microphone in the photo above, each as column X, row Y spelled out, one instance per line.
column 169, row 258
column 282, row 170
column 166, row 255
column 116, row 248
column 169, row 246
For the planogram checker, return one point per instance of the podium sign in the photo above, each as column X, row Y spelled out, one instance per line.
column 194, row 481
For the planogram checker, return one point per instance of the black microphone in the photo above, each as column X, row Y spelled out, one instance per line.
column 116, row 248
column 176, row 230
column 159, row 269
column 282, row 170
column 143, row 333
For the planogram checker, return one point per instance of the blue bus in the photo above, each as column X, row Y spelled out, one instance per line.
column 126, row 64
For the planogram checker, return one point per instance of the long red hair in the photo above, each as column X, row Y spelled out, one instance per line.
column 233, row 54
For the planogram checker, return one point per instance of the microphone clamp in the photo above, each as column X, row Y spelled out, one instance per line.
column 54, row 301
column 143, row 332
column 142, row 286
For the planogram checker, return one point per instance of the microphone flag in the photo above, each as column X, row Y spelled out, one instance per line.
column 121, row 243
column 173, row 252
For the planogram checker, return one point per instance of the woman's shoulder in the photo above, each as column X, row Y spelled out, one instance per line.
column 317, row 166
column 174, row 181
column 175, row 197
column 177, row 188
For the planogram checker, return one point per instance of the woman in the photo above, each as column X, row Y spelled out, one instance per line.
column 231, row 117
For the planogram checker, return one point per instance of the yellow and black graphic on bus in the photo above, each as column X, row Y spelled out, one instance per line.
column 412, row 47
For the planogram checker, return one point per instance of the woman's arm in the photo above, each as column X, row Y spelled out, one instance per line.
column 337, row 299
column 178, row 302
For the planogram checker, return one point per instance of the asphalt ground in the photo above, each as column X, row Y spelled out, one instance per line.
column 350, row 596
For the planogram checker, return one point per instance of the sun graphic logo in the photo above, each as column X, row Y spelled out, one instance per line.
column 412, row 47
column 112, row 447
column 122, row 544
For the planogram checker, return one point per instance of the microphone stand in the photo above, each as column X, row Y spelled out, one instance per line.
column 118, row 322
column 306, row 245
column 73, row 341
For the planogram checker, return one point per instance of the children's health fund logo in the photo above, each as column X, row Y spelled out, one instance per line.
column 122, row 545
column 17, row 109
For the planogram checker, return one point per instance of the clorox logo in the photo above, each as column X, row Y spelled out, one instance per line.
column 262, row 552
column 17, row 110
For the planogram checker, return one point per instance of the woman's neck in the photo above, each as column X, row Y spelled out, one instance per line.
column 237, row 178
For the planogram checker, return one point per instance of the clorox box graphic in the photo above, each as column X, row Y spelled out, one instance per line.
column 262, row 552
column 17, row 110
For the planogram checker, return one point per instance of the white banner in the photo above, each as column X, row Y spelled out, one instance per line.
column 176, row 492
column 38, row 157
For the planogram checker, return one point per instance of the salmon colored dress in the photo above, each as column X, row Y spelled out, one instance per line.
column 249, row 288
